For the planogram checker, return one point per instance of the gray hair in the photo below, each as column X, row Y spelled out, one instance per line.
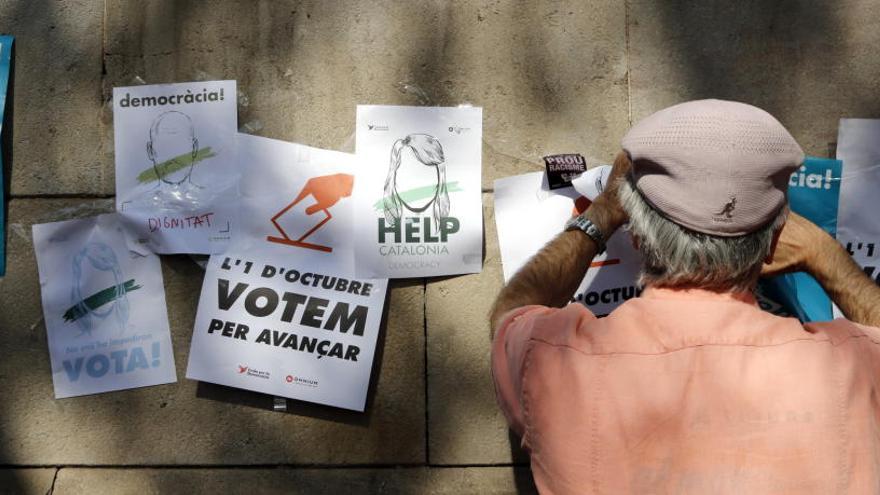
column 677, row 257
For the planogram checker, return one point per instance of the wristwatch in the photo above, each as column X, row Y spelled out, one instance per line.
column 584, row 224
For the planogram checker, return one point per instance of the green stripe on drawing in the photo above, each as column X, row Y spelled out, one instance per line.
column 417, row 194
column 99, row 299
column 174, row 164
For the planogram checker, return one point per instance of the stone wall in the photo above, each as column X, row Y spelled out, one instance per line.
column 552, row 76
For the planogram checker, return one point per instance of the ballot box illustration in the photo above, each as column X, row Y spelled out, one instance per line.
column 311, row 210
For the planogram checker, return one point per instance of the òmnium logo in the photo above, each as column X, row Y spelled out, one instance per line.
column 726, row 213
column 377, row 127
column 298, row 380
column 250, row 371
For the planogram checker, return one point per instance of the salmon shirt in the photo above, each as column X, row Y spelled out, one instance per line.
column 690, row 392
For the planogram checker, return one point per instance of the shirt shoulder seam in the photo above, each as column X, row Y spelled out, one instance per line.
column 670, row 351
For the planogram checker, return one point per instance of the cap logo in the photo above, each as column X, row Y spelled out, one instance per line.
column 726, row 213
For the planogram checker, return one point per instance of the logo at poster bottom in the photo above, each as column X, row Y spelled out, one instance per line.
column 251, row 371
column 298, row 380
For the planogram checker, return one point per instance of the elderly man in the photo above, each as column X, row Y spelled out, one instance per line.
column 691, row 388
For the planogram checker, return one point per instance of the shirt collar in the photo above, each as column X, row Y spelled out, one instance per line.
column 667, row 293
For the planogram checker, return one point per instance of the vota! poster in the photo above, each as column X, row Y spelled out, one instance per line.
column 104, row 307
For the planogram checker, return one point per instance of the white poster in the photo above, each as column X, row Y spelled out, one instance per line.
column 176, row 173
column 419, row 207
column 104, row 308
column 298, row 200
column 528, row 215
column 858, row 226
column 288, row 325
column 281, row 312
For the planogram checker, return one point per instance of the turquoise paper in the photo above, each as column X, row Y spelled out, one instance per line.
column 5, row 68
column 813, row 192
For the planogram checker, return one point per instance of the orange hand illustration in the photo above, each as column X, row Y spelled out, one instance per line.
column 327, row 190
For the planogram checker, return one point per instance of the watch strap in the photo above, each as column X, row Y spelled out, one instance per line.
column 586, row 226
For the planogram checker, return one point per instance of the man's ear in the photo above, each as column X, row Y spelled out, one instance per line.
column 150, row 153
column 195, row 148
column 773, row 243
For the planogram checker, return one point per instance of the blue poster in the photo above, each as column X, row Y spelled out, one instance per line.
column 5, row 69
column 813, row 192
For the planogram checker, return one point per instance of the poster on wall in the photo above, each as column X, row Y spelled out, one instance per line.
column 282, row 312
column 858, row 226
column 289, row 326
column 297, row 199
column 813, row 192
column 176, row 171
column 419, row 206
column 528, row 215
column 5, row 141
column 104, row 308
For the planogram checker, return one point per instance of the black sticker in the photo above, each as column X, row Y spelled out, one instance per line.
column 561, row 169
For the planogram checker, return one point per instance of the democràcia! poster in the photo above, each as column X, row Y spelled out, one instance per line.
column 176, row 170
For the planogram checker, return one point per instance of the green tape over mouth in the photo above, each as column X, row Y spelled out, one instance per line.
column 174, row 164
column 99, row 299
column 418, row 193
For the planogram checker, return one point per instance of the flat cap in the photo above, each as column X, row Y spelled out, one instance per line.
column 713, row 166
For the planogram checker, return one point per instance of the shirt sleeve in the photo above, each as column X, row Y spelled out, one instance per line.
column 508, row 358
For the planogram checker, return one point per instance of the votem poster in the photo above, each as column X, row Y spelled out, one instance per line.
column 104, row 307
column 419, row 205
column 5, row 141
column 176, row 171
column 528, row 215
column 281, row 311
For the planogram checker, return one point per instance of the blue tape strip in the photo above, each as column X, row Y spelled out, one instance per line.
column 5, row 68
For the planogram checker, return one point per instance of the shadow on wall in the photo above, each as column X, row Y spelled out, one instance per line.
column 797, row 59
column 745, row 50
column 55, row 67
column 32, row 23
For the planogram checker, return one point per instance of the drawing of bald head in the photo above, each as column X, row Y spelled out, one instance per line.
column 172, row 147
